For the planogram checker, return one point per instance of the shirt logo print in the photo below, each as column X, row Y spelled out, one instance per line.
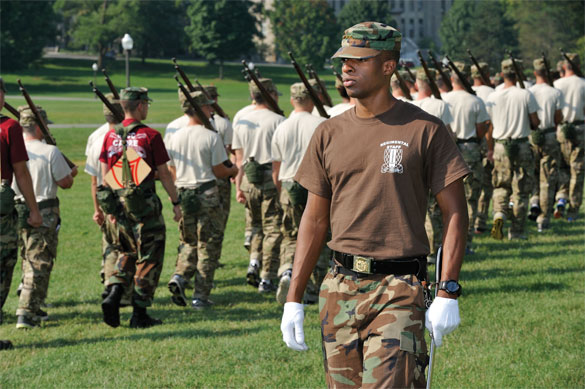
column 393, row 157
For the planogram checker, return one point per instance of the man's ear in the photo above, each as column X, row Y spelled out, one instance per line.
column 388, row 67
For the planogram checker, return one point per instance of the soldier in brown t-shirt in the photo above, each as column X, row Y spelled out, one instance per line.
column 368, row 172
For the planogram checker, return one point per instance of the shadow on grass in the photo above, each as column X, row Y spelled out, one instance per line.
column 537, row 287
column 502, row 273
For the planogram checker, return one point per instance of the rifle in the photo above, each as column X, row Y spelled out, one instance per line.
column 313, row 74
column 12, row 110
column 215, row 106
column 312, row 93
column 575, row 68
column 42, row 125
column 464, row 81
column 519, row 74
column 483, row 76
column 549, row 79
column 412, row 76
column 402, row 84
column 432, row 84
column 439, row 68
column 183, row 75
column 250, row 76
column 200, row 115
column 117, row 115
column 111, row 85
column 336, row 73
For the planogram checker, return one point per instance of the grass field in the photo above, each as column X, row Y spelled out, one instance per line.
column 522, row 310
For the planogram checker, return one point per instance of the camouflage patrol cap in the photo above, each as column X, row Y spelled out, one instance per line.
column 475, row 72
column 134, row 93
column 2, row 87
column 560, row 65
column 573, row 57
column 199, row 98
column 210, row 89
column 28, row 118
column 462, row 67
column 507, row 66
column 266, row 82
column 422, row 75
column 368, row 39
column 538, row 64
column 315, row 85
column 115, row 104
column 299, row 91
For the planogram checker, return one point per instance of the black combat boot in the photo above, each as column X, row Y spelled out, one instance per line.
column 140, row 318
column 111, row 305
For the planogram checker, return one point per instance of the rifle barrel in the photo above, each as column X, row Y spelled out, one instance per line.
column 111, row 85
column 312, row 93
column 269, row 100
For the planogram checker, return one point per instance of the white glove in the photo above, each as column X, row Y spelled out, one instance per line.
column 442, row 318
column 292, row 326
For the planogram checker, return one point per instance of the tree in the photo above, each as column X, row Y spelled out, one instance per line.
column 481, row 26
column 307, row 28
column 221, row 30
column 27, row 27
column 357, row 11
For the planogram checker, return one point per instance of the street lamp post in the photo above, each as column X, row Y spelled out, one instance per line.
column 127, row 44
column 94, row 67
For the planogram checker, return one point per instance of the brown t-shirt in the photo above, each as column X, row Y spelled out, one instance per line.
column 377, row 172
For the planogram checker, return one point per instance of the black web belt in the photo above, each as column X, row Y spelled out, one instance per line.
column 368, row 265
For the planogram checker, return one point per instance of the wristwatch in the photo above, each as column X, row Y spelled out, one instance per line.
column 451, row 287
column 178, row 202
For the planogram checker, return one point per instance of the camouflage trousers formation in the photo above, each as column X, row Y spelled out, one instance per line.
column 485, row 197
column 472, row 156
column 512, row 179
column 38, row 252
column 8, row 253
column 434, row 224
column 201, row 236
column 110, row 252
column 266, row 214
column 572, row 170
column 548, row 156
column 142, row 242
column 291, row 219
column 225, row 198
column 373, row 331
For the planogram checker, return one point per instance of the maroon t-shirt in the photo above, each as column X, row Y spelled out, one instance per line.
column 378, row 172
column 146, row 141
column 12, row 146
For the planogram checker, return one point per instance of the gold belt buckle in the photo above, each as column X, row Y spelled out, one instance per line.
column 362, row 264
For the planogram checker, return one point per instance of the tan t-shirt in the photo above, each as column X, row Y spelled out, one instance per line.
column 435, row 107
column 173, row 127
column 47, row 166
column 242, row 111
column 253, row 134
column 224, row 128
column 483, row 91
column 316, row 111
column 339, row 109
column 467, row 110
column 194, row 150
column 290, row 141
column 573, row 89
column 93, row 150
column 509, row 109
column 377, row 172
column 549, row 100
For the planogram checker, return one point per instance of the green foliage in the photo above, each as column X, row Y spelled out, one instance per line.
column 27, row 26
column 307, row 28
column 357, row 11
column 221, row 30
column 547, row 26
column 466, row 26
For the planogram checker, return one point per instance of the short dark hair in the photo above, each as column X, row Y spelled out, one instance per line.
column 258, row 98
column 130, row 105
column 510, row 76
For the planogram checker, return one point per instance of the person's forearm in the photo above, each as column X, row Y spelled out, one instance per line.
column 167, row 182
column 96, row 206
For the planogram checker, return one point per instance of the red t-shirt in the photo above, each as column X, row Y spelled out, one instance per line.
column 147, row 142
column 13, row 149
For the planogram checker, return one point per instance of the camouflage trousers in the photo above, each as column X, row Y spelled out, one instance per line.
column 201, row 236
column 512, row 179
column 434, row 224
column 291, row 219
column 548, row 156
column 483, row 203
column 373, row 331
column 225, row 198
column 266, row 214
column 110, row 252
column 142, row 244
column 8, row 253
column 251, row 234
column 38, row 252
column 472, row 156
column 572, row 171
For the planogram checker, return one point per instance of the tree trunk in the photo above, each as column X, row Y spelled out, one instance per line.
column 221, row 69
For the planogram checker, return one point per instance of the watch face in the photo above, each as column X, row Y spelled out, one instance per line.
column 452, row 287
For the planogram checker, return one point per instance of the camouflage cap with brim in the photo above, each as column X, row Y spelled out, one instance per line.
column 539, row 65
column 422, row 75
column 368, row 39
column 299, row 91
column 115, row 104
column 28, row 118
column 507, row 66
column 475, row 73
column 574, row 57
column 462, row 67
column 266, row 83
column 315, row 85
column 199, row 98
column 134, row 94
column 210, row 89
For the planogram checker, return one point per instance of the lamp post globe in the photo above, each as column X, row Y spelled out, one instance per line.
column 94, row 67
column 127, row 45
